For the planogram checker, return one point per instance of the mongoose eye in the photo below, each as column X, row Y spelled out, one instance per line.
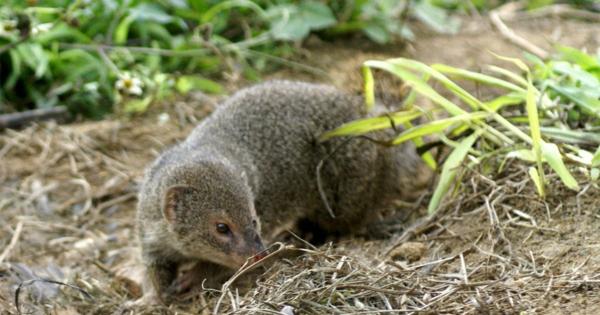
column 223, row 228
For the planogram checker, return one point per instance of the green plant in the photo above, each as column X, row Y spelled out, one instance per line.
column 99, row 56
column 530, row 120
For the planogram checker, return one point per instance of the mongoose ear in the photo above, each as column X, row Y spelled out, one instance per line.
column 174, row 200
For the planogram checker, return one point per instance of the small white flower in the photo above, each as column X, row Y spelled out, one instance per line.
column 8, row 28
column 130, row 85
column 41, row 28
column 163, row 118
column 91, row 87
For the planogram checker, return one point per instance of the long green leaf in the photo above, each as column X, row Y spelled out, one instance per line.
column 437, row 126
column 465, row 96
column 536, row 135
column 418, row 84
column 535, row 176
column 552, row 155
column 362, row 126
column 596, row 158
column 369, row 87
column 455, row 159
column 478, row 77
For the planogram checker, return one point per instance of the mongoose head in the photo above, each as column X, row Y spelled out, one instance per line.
column 209, row 210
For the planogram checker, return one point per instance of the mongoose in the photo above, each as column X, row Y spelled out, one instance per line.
column 251, row 165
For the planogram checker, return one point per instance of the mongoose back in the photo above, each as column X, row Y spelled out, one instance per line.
column 252, row 165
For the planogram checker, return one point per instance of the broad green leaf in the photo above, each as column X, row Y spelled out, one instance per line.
column 584, row 79
column 148, row 11
column 210, row 14
column 454, row 160
column 435, row 17
column 137, row 105
column 376, row 33
column 294, row 22
column 594, row 174
column 523, row 154
column 362, row 126
column 438, row 126
column 571, row 136
column 553, row 156
column 535, row 176
column 122, row 30
column 587, row 104
column 189, row 83
column 35, row 57
column 577, row 56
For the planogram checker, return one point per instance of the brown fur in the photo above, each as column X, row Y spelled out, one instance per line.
column 255, row 157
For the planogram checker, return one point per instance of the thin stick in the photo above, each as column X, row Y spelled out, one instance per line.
column 13, row 241
column 516, row 39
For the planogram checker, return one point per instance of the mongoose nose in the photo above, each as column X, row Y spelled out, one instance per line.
column 260, row 250
column 258, row 257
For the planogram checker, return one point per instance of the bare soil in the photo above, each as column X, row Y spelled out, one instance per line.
column 68, row 194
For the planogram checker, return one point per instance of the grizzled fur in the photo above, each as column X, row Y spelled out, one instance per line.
column 256, row 155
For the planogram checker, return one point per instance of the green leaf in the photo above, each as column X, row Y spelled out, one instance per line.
column 552, row 155
column 455, row 159
column 369, row 87
column 478, row 77
column 536, row 135
column 294, row 22
column 577, row 56
column 16, row 69
column 35, row 57
column 122, row 30
column 210, row 14
column 596, row 158
column 523, row 155
column 435, row 17
column 150, row 12
column 362, row 126
column 189, row 83
column 137, row 105
column 587, row 104
column 376, row 33
column 535, row 176
column 438, row 126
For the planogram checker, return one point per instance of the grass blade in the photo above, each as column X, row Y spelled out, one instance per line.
column 362, row 126
column 536, row 136
column 535, row 176
column 369, row 87
column 455, row 159
column 477, row 77
column 552, row 155
column 596, row 158
column 437, row 126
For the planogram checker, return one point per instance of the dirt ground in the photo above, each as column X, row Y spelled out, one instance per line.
column 68, row 194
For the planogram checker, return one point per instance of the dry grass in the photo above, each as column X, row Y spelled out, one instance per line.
column 68, row 196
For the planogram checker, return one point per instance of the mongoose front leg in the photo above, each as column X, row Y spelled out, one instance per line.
column 160, row 274
column 205, row 274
